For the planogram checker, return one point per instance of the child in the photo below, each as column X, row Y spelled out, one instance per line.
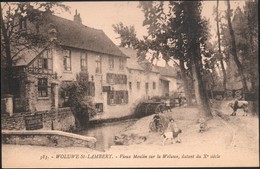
column 172, row 127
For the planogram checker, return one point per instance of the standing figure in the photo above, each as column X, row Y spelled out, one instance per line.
column 172, row 127
column 168, row 104
column 155, row 125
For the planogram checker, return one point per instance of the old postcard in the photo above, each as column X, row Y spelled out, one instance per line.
column 129, row 84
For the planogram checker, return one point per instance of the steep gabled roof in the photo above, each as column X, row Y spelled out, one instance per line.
column 26, row 56
column 72, row 34
column 167, row 71
column 76, row 35
column 132, row 62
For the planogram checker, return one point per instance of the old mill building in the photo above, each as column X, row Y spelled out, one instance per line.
column 117, row 81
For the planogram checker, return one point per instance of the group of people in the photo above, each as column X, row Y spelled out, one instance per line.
column 172, row 132
column 168, row 103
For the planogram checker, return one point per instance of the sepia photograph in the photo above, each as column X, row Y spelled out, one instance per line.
column 95, row 84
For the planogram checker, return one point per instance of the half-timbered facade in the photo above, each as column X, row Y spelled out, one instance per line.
column 35, row 81
column 74, row 48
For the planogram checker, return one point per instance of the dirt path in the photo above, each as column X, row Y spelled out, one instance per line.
column 246, row 133
column 233, row 139
column 232, row 143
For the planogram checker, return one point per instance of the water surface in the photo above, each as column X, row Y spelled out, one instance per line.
column 106, row 132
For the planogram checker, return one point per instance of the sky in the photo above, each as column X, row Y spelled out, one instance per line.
column 102, row 15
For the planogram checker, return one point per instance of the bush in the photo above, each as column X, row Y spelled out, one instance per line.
column 79, row 100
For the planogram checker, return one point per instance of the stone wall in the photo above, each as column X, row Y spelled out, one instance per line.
column 47, row 138
column 62, row 119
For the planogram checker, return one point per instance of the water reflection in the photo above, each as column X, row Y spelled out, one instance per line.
column 106, row 132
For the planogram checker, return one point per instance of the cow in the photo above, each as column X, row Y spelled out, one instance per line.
column 239, row 104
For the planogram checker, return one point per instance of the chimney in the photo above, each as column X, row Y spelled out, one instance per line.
column 77, row 17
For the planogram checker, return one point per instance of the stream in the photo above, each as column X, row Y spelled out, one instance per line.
column 105, row 132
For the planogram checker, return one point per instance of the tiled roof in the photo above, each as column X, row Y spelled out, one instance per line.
column 167, row 71
column 73, row 34
column 132, row 62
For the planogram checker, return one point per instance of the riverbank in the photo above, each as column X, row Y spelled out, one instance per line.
column 232, row 143
column 97, row 122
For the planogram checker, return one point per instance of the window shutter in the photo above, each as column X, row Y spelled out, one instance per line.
column 118, row 101
column 64, row 62
column 108, row 98
column 126, row 96
column 125, row 79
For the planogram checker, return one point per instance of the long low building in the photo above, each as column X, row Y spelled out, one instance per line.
column 117, row 81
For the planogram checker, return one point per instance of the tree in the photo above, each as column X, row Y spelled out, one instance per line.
column 251, row 15
column 179, row 34
column 219, row 49
column 234, row 48
column 18, row 24
column 160, row 38
column 127, row 35
column 79, row 99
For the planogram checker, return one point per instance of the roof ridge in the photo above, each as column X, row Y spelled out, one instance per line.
column 78, row 35
column 80, row 24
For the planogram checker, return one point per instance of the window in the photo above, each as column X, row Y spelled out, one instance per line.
column 67, row 60
column 42, row 87
column 130, row 85
column 99, row 107
column 83, row 61
column 98, row 64
column 45, row 63
column 138, row 85
column 121, row 96
column 91, row 89
column 154, row 85
column 146, row 87
column 121, row 63
column 116, row 78
column 110, row 98
column 111, row 78
column 117, row 97
column 111, row 62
